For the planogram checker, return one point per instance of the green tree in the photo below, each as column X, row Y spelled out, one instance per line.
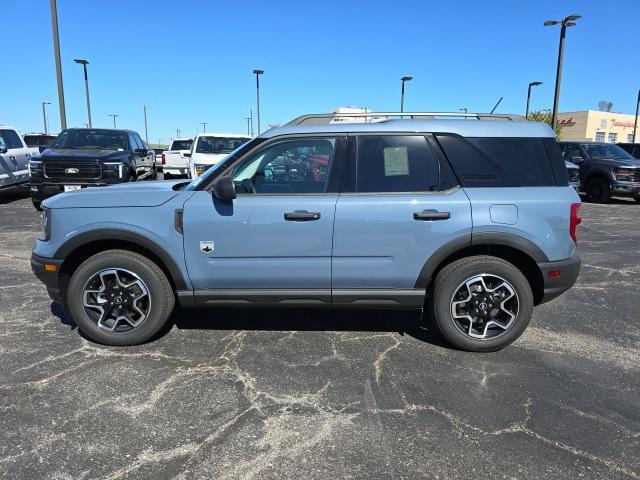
column 545, row 116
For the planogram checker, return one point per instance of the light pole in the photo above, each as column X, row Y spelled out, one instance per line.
column 204, row 127
column 251, row 120
column 114, row 115
column 44, row 116
column 248, row 126
column 146, row 132
column 532, row 84
column 258, row 72
column 56, row 51
column 635, row 123
column 84, row 64
column 564, row 23
column 403, row 79
column 177, row 133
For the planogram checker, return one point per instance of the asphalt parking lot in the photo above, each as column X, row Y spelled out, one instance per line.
column 315, row 394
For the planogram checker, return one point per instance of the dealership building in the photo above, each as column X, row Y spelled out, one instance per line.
column 597, row 126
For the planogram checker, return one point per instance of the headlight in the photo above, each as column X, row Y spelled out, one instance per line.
column 626, row 175
column 113, row 169
column 35, row 168
column 45, row 225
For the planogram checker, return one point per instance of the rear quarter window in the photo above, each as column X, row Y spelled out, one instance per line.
column 501, row 161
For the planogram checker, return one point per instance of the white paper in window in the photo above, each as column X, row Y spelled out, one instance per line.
column 396, row 161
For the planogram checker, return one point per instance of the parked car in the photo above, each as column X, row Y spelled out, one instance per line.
column 606, row 170
column 573, row 171
column 208, row 149
column 90, row 157
column 631, row 148
column 174, row 162
column 472, row 220
column 38, row 142
column 14, row 158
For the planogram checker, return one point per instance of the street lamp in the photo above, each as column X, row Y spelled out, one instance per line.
column 258, row 72
column 84, row 64
column 564, row 23
column 146, row 132
column 114, row 115
column 44, row 117
column 635, row 123
column 403, row 79
column 532, row 84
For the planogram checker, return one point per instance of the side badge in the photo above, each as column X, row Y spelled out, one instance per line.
column 206, row 246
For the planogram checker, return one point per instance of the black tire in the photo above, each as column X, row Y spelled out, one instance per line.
column 37, row 205
column 448, row 282
column 598, row 190
column 160, row 305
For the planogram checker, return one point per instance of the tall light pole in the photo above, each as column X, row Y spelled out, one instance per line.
column 84, row 64
column 204, row 127
column 146, row 131
column 114, row 115
column 251, row 120
column 248, row 130
column 44, row 117
column 258, row 72
column 403, row 79
column 564, row 23
column 532, row 84
column 56, row 51
column 635, row 123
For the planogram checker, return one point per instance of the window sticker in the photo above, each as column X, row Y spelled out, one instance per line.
column 396, row 161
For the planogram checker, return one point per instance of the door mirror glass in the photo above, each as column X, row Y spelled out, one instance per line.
column 224, row 188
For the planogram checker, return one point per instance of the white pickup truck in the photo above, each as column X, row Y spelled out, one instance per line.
column 174, row 161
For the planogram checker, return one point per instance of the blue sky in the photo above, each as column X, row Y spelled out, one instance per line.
column 191, row 61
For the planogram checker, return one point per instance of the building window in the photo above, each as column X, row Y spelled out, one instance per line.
column 603, row 123
column 613, row 137
column 629, row 137
column 599, row 137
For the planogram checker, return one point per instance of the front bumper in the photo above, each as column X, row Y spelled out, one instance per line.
column 625, row 189
column 42, row 191
column 50, row 278
column 558, row 277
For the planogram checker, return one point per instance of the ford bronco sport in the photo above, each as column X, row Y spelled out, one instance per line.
column 474, row 221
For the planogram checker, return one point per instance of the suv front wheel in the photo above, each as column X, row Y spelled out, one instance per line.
column 598, row 190
column 481, row 303
column 118, row 297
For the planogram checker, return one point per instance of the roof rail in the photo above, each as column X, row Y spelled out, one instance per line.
column 369, row 117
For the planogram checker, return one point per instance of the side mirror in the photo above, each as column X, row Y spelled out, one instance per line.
column 577, row 160
column 224, row 188
column 3, row 149
column 186, row 154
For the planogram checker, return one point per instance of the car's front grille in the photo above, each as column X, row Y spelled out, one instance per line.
column 69, row 170
column 574, row 175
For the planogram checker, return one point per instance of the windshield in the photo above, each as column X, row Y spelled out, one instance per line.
column 181, row 144
column 605, row 150
column 38, row 140
column 219, row 144
column 92, row 139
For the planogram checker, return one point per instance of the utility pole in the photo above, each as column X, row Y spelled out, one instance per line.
column 114, row 115
column 635, row 124
column 56, row 51
column 44, row 117
column 146, row 132
column 177, row 133
column 204, row 127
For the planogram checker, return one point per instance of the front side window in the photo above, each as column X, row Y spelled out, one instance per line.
column 286, row 167
column 571, row 151
column 390, row 163
column 219, row 145
column 599, row 137
column 595, row 150
column 10, row 139
column 92, row 139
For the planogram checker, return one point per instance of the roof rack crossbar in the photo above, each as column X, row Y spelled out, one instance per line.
column 319, row 118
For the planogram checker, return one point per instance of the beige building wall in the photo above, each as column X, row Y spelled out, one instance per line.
column 594, row 125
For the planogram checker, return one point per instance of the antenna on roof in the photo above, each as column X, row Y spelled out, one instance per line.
column 496, row 105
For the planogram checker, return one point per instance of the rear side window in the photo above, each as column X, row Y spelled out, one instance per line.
column 499, row 162
column 389, row 163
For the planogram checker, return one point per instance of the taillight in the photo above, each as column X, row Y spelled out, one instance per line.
column 574, row 221
column 163, row 160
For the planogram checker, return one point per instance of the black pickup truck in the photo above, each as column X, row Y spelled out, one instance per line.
column 90, row 157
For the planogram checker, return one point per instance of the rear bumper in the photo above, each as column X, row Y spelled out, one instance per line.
column 51, row 279
column 559, row 276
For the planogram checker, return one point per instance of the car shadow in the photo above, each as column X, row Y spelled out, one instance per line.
column 12, row 194
column 412, row 323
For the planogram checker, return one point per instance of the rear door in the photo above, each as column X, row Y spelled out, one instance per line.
column 400, row 204
column 14, row 163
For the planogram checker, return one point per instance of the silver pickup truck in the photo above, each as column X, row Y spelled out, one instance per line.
column 174, row 162
column 14, row 158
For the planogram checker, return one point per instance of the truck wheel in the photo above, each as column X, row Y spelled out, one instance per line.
column 598, row 191
column 119, row 297
column 37, row 205
column 154, row 173
column 481, row 303
column 637, row 198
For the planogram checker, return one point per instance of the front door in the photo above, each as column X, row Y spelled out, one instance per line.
column 276, row 236
column 14, row 162
column 404, row 205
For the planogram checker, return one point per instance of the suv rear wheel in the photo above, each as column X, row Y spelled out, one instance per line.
column 481, row 303
column 118, row 297
column 598, row 190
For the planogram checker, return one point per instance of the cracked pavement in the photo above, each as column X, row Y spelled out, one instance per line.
column 315, row 394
